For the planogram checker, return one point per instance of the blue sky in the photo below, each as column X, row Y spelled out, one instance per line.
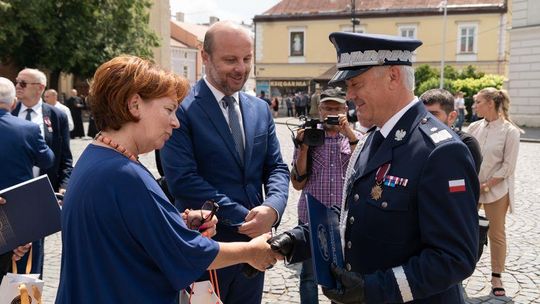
column 198, row 11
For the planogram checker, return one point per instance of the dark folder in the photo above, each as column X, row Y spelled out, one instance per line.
column 31, row 213
column 325, row 241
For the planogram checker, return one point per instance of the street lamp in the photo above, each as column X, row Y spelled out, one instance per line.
column 354, row 21
column 443, row 44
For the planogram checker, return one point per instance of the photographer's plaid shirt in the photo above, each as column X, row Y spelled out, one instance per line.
column 327, row 173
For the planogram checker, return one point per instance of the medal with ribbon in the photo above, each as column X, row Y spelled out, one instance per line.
column 47, row 122
column 376, row 191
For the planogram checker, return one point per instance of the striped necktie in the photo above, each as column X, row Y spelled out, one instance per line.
column 234, row 125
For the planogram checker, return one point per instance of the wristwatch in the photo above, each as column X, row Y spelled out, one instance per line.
column 486, row 188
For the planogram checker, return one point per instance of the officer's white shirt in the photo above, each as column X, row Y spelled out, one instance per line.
column 36, row 117
column 389, row 125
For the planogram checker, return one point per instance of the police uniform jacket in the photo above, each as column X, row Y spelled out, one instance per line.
column 419, row 240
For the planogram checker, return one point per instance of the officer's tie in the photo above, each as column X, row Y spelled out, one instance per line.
column 28, row 114
column 234, row 125
column 376, row 142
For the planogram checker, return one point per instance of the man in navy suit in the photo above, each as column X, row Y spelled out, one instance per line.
column 22, row 147
column 409, row 224
column 226, row 150
column 53, row 124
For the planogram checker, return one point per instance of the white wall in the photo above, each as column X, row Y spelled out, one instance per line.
column 524, row 68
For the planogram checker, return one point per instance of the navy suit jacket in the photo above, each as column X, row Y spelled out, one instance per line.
column 58, row 141
column 201, row 163
column 419, row 240
column 22, row 147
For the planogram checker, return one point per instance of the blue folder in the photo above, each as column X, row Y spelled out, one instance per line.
column 31, row 213
column 325, row 241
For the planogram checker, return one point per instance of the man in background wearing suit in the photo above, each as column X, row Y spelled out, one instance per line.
column 22, row 147
column 226, row 150
column 51, row 97
column 75, row 104
column 53, row 124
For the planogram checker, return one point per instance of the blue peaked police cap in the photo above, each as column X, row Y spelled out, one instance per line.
column 357, row 53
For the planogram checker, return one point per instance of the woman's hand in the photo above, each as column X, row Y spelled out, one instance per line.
column 20, row 251
column 261, row 256
column 194, row 220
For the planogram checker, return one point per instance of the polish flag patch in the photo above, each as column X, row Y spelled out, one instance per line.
column 457, row 185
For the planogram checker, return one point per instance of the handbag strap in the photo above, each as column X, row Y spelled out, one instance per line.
column 214, row 282
column 28, row 263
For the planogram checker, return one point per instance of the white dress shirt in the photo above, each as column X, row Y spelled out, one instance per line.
column 219, row 96
column 36, row 117
column 391, row 123
column 66, row 110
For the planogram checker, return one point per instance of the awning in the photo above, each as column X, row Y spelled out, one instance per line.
column 326, row 76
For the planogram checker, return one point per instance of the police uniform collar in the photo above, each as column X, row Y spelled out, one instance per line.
column 372, row 129
column 356, row 53
column 389, row 125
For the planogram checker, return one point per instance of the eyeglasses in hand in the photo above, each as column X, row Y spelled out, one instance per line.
column 208, row 210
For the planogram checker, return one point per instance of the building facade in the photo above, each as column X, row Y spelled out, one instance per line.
column 184, row 60
column 159, row 23
column 187, row 40
column 524, row 67
column 293, row 53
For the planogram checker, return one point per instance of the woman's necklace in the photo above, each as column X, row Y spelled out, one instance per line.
column 109, row 142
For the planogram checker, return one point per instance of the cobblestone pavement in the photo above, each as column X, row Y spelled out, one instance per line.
column 521, row 279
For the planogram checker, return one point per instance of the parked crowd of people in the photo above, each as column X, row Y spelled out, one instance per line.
column 218, row 147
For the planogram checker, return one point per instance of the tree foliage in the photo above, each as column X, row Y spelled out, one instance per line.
column 424, row 72
column 74, row 36
column 469, row 80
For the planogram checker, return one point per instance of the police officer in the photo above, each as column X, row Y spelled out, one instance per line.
column 409, row 221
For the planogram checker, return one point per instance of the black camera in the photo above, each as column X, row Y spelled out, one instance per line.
column 313, row 132
column 332, row 120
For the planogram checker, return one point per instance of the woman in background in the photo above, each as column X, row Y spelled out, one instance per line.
column 498, row 137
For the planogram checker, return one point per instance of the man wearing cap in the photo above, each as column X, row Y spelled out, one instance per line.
column 409, row 223
column 320, row 170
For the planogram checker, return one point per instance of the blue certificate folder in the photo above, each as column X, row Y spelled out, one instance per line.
column 325, row 241
column 31, row 213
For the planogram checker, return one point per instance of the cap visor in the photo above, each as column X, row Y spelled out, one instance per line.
column 347, row 74
column 336, row 99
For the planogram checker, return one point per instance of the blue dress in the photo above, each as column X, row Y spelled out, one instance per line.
column 123, row 241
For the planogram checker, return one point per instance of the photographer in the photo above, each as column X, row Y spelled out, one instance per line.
column 319, row 165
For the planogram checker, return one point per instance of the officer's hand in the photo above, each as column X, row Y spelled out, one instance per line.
column 282, row 243
column 352, row 287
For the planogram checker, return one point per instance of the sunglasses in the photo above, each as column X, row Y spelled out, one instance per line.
column 23, row 83
column 208, row 210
